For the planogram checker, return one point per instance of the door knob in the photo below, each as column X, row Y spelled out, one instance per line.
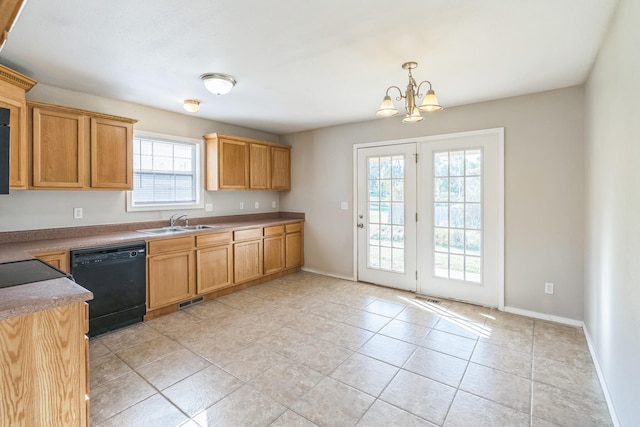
column 360, row 225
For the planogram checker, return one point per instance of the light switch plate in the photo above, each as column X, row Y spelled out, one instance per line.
column 344, row 206
column 273, row 204
column 208, row 207
column 77, row 213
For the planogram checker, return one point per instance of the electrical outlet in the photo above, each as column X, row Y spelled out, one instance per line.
column 241, row 205
column 77, row 213
column 548, row 288
column 273, row 204
column 257, row 205
column 208, row 207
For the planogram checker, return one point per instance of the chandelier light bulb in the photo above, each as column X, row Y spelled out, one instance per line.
column 411, row 96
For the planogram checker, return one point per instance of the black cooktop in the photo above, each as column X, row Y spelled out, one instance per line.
column 27, row 271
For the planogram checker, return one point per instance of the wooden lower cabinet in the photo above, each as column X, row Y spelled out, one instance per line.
column 214, row 268
column 247, row 260
column 294, row 245
column 58, row 259
column 273, row 247
column 171, row 278
column 44, row 377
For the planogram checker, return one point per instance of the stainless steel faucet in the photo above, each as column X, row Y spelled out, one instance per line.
column 173, row 220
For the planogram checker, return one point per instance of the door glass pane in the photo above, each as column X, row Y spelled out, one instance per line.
column 457, row 206
column 386, row 184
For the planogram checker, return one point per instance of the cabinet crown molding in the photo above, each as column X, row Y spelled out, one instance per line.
column 15, row 78
column 72, row 110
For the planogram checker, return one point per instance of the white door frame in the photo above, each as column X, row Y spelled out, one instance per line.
column 500, row 250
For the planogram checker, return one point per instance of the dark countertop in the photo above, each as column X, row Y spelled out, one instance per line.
column 33, row 297
column 107, row 235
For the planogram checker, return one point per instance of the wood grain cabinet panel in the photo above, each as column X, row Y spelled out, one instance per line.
column 79, row 149
column 111, row 154
column 236, row 163
column 57, row 259
column 273, row 249
column 294, row 245
column 45, row 368
column 281, row 168
column 259, row 167
column 247, row 260
column 13, row 88
column 58, row 149
column 214, row 268
column 170, row 278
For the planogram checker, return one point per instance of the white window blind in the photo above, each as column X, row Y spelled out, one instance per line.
column 165, row 173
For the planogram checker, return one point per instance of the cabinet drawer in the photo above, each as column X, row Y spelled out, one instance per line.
column 170, row 245
column 214, row 239
column 292, row 228
column 253, row 233
column 273, row 230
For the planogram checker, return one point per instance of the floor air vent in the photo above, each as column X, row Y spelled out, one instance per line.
column 188, row 303
column 429, row 299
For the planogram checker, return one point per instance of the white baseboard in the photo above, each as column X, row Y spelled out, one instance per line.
column 542, row 316
column 324, row 273
column 603, row 383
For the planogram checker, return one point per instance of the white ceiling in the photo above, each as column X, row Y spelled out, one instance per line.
column 305, row 64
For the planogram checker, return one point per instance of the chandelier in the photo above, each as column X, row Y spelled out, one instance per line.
column 411, row 96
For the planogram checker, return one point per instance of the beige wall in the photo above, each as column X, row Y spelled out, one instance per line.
column 33, row 209
column 544, row 188
column 612, row 275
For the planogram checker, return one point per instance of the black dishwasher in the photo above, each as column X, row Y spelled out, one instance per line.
column 116, row 275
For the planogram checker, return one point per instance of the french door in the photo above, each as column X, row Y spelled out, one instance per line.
column 386, row 223
column 435, row 228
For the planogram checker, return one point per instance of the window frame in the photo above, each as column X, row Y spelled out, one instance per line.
column 198, row 175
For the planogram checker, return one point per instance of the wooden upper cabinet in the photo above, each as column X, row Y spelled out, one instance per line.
column 235, row 163
column 58, row 149
column 281, row 168
column 111, row 154
column 259, row 167
column 10, row 11
column 227, row 163
column 78, row 149
column 13, row 87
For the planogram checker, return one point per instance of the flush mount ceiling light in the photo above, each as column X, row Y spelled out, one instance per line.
column 191, row 105
column 411, row 96
column 218, row 83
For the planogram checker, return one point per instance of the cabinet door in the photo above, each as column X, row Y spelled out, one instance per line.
column 170, row 278
column 259, row 167
column 293, row 250
column 58, row 149
column 215, row 268
column 273, row 254
column 280, row 168
column 59, row 260
column 18, row 146
column 111, row 154
column 247, row 260
column 233, row 164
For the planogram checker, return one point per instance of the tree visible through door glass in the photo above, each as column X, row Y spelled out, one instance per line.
column 386, row 211
column 457, row 208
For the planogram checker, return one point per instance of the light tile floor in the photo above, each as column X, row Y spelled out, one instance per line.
column 309, row 350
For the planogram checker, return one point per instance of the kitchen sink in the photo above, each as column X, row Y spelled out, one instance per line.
column 198, row 227
column 163, row 230
column 177, row 229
